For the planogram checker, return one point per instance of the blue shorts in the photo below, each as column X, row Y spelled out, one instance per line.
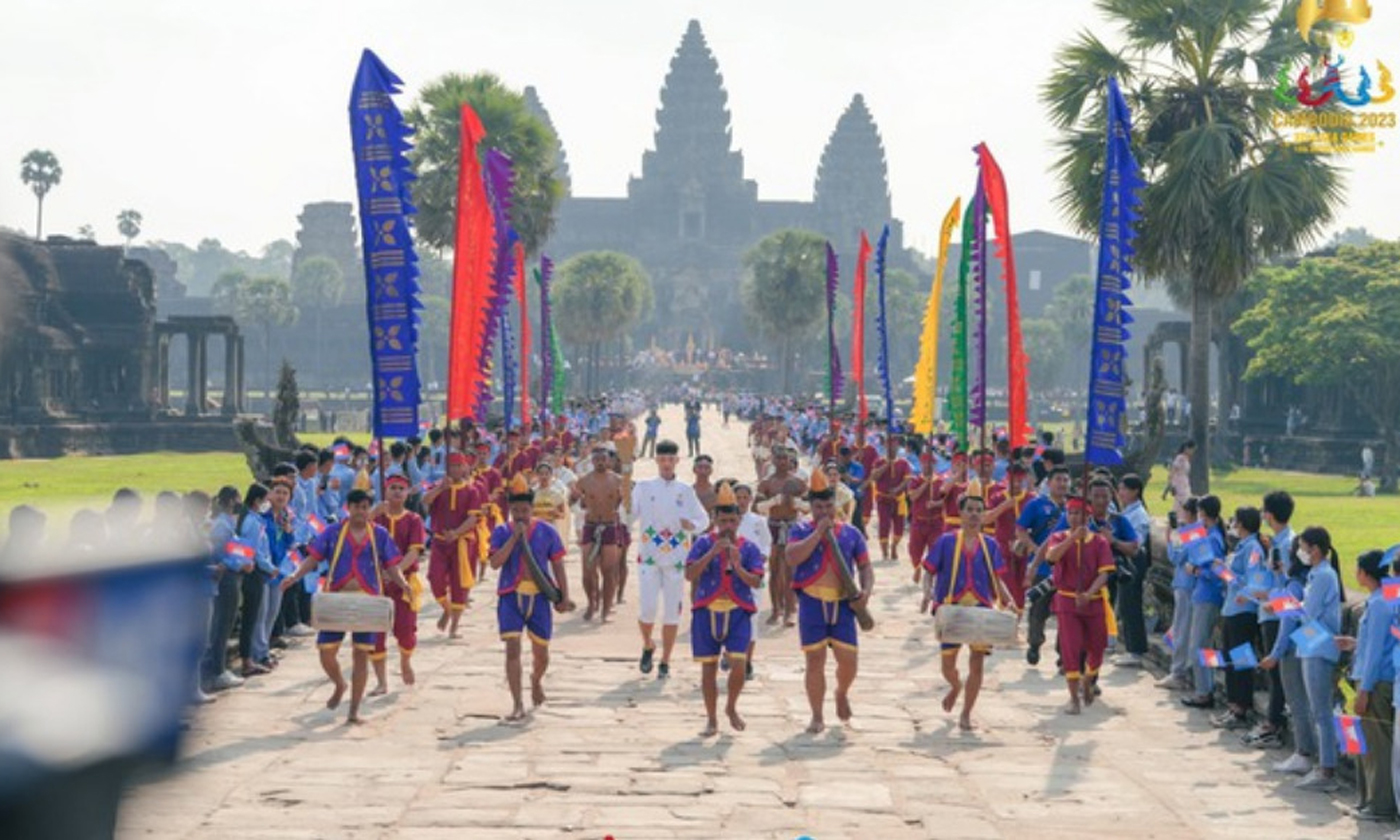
column 825, row 623
column 712, row 632
column 361, row 641
column 518, row 613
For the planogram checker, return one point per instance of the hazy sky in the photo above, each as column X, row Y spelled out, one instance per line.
column 223, row 118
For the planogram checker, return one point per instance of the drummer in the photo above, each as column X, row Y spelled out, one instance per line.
column 1081, row 563
column 360, row 555
column 521, row 606
column 964, row 569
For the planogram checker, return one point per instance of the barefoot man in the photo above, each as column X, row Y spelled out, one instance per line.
column 601, row 495
column 723, row 568
column 964, row 568
column 668, row 514
column 521, row 605
column 406, row 529
column 778, row 497
column 823, row 619
column 361, row 554
column 1081, row 562
column 455, row 506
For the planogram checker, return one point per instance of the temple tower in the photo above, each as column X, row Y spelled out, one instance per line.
column 852, row 189
column 692, row 186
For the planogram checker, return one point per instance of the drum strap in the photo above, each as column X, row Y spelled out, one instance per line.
column 373, row 552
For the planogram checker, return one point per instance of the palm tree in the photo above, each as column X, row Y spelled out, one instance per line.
column 129, row 225
column 40, row 171
column 1224, row 191
column 598, row 296
column 510, row 127
column 784, row 291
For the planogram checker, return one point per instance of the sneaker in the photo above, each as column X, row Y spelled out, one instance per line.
column 1299, row 765
column 1230, row 721
column 1268, row 741
column 200, row 698
column 1171, row 683
column 1365, row 814
column 663, row 670
column 1318, row 782
column 225, row 681
column 645, row 664
column 1033, row 656
column 1196, row 701
column 301, row 630
column 1127, row 660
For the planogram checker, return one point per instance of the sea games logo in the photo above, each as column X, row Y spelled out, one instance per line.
column 1337, row 92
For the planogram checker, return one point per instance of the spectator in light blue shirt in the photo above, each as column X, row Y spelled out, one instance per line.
column 1373, row 675
column 1277, row 510
column 1182, row 583
column 1322, row 603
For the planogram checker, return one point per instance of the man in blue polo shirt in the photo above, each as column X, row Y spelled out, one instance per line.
column 1038, row 519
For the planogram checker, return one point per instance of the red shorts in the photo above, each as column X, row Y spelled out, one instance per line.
column 604, row 534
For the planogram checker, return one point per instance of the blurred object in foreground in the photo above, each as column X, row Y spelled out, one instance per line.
column 99, row 651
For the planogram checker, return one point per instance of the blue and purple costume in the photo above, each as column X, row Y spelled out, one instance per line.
column 823, row 618
column 520, row 608
column 723, row 604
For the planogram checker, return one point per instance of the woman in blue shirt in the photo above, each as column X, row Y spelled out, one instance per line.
column 1373, row 675
column 279, row 526
column 1284, row 656
column 1322, row 603
column 222, row 530
column 1241, row 612
column 251, row 531
column 1207, row 595
column 1180, row 676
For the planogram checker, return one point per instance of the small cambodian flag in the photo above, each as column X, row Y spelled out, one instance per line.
column 1390, row 589
column 316, row 523
column 1395, row 631
column 1284, row 605
column 1243, row 658
column 1169, row 640
column 238, row 549
column 1313, row 639
column 1349, row 735
column 1225, row 574
column 1212, row 658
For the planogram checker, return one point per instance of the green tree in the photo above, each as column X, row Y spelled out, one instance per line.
column 41, row 172
column 510, row 127
column 129, row 225
column 1331, row 321
column 1044, row 341
column 1071, row 309
column 317, row 285
column 1224, row 191
column 597, row 297
column 226, row 295
column 266, row 302
column 784, row 291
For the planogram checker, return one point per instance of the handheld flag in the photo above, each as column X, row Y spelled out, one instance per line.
column 1211, row 658
column 1312, row 639
column 316, row 523
column 1350, row 738
column 1390, row 589
column 1225, row 574
column 1284, row 605
column 1169, row 640
column 1243, row 658
column 238, row 549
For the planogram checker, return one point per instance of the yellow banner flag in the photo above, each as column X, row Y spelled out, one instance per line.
column 926, row 371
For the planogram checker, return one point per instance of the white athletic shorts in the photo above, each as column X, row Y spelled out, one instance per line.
column 661, row 586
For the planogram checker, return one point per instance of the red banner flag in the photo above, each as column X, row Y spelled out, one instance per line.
column 858, row 329
column 471, row 273
column 522, row 297
column 994, row 188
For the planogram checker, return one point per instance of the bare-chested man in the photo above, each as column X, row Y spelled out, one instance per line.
column 779, row 497
column 706, row 492
column 601, row 495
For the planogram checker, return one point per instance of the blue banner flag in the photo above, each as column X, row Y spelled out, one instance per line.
column 882, row 328
column 380, row 140
column 1104, row 438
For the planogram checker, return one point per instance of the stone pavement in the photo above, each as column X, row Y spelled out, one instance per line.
column 616, row 753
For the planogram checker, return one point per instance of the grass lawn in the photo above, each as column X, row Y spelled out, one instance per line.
column 1356, row 524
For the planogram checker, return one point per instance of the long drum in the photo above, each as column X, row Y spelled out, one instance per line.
column 353, row 612
column 960, row 625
